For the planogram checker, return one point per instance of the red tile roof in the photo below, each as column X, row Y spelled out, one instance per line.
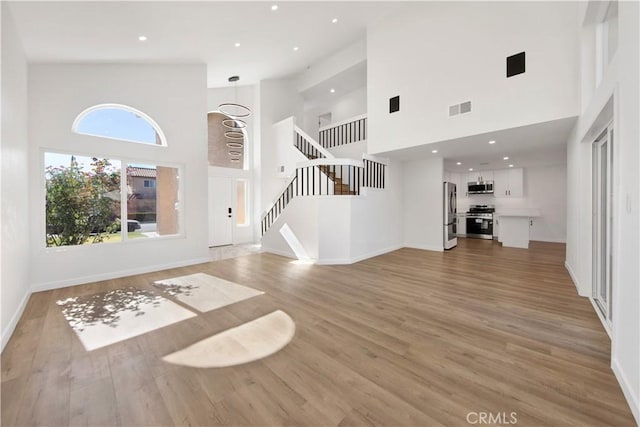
column 141, row 172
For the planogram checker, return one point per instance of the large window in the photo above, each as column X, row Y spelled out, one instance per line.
column 83, row 200
column 86, row 200
column 119, row 122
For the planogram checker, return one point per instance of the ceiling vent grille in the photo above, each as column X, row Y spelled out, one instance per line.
column 462, row 108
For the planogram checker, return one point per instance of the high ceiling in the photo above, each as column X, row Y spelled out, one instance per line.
column 204, row 32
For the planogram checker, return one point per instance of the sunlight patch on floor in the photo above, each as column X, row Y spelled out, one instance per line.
column 246, row 343
column 109, row 317
column 205, row 292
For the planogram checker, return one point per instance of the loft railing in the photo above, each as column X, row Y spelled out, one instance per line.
column 327, row 177
column 346, row 132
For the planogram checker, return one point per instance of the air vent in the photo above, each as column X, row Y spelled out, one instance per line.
column 462, row 108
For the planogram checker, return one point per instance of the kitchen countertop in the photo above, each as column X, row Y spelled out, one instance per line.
column 525, row 212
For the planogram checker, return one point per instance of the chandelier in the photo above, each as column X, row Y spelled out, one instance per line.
column 234, row 124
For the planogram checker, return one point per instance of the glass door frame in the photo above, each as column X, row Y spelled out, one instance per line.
column 602, row 225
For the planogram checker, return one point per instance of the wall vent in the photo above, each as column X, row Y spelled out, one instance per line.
column 462, row 108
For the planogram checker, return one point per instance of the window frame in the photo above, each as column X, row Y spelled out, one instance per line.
column 247, row 200
column 146, row 117
column 124, row 162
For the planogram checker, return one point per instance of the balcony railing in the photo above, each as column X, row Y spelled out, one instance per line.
column 345, row 132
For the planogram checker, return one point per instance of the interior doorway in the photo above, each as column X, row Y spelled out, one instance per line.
column 602, row 221
column 324, row 120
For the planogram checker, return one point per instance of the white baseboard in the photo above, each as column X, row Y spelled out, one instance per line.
column 424, row 247
column 632, row 399
column 353, row 260
column 8, row 331
column 574, row 278
column 278, row 252
column 114, row 275
column 549, row 239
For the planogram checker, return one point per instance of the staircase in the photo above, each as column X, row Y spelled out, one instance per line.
column 325, row 175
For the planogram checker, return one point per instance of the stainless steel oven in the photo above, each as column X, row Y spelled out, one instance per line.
column 480, row 221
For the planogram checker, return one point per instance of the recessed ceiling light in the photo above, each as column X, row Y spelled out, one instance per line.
column 505, row 158
column 237, row 44
column 434, row 151
column 334, row 20
column 458, row 163
column 274, row 7
column 492, row 142
column 510, row 166
column 295, row 48
column 470, row 169
column 332, row 90
column 142, row 38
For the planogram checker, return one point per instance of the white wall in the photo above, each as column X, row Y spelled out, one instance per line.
column 620, row 80
column 437, row 54
column 375, row 220
column 175, row 97
column 423, row 217
column 244, row 95
column 301, row 215
column 545, row 189
column 626, row 329
column 341, row 107
column 15, row 284
column 336, row 63
column 278, row 100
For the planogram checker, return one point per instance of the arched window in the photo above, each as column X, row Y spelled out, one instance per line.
column 119, row 122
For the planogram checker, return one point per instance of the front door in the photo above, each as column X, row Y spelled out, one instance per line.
column 220, row 212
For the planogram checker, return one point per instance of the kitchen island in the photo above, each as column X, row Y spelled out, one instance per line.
column 514, row 226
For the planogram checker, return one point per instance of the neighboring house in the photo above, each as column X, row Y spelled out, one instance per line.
column 141, row 189
column 141, row 183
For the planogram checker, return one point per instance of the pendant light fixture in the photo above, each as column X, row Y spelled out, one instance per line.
column 233, row 109
column 234, row 124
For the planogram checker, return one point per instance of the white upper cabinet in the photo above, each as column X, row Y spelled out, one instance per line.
column 508, row 183
column 501, row 183
column 479, row 176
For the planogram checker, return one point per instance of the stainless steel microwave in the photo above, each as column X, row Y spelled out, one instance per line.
column 482, row 187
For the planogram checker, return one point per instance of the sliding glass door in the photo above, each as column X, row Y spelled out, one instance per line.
column 602, row 221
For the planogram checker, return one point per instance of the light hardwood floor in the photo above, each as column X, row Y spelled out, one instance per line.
column 409, row 338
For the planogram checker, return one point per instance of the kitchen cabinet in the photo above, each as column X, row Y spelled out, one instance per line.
column 508, row 183
column 461, row 225
column 479, row 176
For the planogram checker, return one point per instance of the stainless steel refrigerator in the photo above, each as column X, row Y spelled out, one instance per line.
column 450, row 239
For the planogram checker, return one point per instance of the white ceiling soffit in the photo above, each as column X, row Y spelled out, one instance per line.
column 519, row 144
column 196, row 32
